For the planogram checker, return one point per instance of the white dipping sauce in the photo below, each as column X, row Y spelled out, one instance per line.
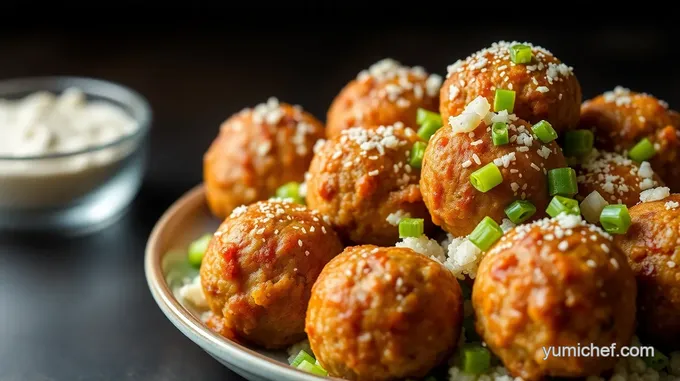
column 45, row 124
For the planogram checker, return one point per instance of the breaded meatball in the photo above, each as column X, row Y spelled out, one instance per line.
column 545, row 88
column 652, row 245
column 617, row 179
column 380, row 313
column 256, row 151
column 450, row 159
column 259, row 268
column 362, row 177
column 554, row 283
column 386, row 93
column 621, row 118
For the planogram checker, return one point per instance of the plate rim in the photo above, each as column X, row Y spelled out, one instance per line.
column 236, row 354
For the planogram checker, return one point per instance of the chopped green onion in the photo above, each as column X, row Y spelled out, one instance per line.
column 545, row 131
column 475, row 359
column 417, row 153
column 578, row 143
column 520, row 54
column 562, row 182
column 615, row 219
column 290, row 190
column 486, row 234
column 658, row 361
column 592, row 205
column 520, row 211
column 486, row 178
column 499, row 133
column 428, row 129
column 197, row 249
column 424, row 116
column 642, row 151
column 312, row 368
column 302, row 356
column 560, row 204
column 411, row 227
column 504, row 100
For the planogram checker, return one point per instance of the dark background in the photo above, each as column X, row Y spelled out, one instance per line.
column 79, row 309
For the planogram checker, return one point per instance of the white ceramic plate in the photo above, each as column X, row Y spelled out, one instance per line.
column 187, row 219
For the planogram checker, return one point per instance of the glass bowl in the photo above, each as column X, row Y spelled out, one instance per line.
column 80, row 191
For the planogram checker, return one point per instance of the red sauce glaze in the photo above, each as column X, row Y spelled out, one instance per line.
column 267, row 253
column 327, row 190
column 230, row 255
column 499, row 272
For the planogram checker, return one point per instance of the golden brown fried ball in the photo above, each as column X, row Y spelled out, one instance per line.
column 258, row 271
column 386, row 93
column 450, row 159
column 621, row 118
column 256, row 151
column 652, row 245
column 616, row 178
column 383, row 313
column 545, row 88
column 554, row 283
column 362, row 177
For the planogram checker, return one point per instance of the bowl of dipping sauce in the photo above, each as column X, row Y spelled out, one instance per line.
column 72, row 153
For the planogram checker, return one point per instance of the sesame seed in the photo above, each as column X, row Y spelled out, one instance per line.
column 466, row 164
column 374, row 173
column 614, row 263
column 300, row 242
column 563, row 246
column 591, row 263
column 476, row 159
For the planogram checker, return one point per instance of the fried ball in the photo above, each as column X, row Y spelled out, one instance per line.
column 621, row 118
column 386, row 93
column 259, row 268
column 545, row 88
column 554, row 283
column 256, row 151
column 380, row 313
column 617, row 179
column 450, row 159
column 652, row 245
column 362, row 180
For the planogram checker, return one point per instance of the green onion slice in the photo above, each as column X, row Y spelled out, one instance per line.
column 642, row 151
column 197, row 249
column 290, row 190
column 520, row 54
column 312, row 368
column 428, row 129
column 499, row 133
column 560, row 204
column 475, row 359
column 417, row 154
column 504, row 100
column 520, row 211
column 486, row 234
column 562, row 181
column 545, row 131
column 578, row 143
column 486, row 178
column 300, row 357
column 411, row 227
column 615, row 219
column 424, row 116
column 657, row 361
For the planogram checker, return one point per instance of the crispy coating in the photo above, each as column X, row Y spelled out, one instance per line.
column 652, row 245
column 621, row 118
column 256, row 151
column 455, row 204
column 379, row 313
column 386, row 93
column 618, row 179
column 258, row 271
column 545, row 88
column 554, row 283
column 361, row 177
